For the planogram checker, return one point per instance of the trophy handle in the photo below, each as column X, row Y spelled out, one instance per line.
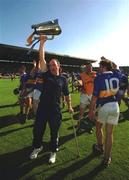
column 30, row 39
column 49, row 37
column 33, row 37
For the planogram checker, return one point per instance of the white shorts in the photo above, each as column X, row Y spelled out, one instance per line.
column 85, row 100
column 109, row 113
column 30, row 94
column 36, row 94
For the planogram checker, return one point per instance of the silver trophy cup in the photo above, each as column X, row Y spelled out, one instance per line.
column 47, row 28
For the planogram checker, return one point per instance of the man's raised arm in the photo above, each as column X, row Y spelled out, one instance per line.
column 42, row 61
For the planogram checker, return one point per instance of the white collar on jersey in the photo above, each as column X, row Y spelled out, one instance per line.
column 106, row 72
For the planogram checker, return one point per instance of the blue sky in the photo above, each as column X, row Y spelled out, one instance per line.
column 90, row 28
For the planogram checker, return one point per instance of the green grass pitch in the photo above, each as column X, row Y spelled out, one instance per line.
column 16, row 140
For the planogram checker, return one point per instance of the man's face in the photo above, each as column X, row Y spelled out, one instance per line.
column 89, row 68
column 21, row 70
column 54, row 67
column 101, row 68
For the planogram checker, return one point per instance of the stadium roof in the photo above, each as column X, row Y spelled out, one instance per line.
column 9, row 53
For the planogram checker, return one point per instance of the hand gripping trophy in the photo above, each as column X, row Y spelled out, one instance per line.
column 49, row 28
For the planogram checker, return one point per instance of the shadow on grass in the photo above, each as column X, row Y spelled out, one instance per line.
column 65, row 119
column 14, row 130
column 8, row 120
column 90, row 175
column 64, row 111
column 17, row 164
column 64, row 139
column 124, row 116
column 9, row 105
column 61, row 174
column 76, row 116
column 76, row 108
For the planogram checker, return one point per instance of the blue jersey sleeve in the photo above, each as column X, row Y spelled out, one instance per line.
column 96, row 86
column 124, row 82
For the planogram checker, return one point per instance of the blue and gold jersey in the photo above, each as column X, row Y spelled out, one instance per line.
column 30, row 81
column 22, row 81
column 39, row 80
column 124, row 82
column 106, row 86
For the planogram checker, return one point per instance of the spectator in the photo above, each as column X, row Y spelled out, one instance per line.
column 37, row 88
column 22, row 72
column 87, row 77
column 123, row 83
column 28, row 92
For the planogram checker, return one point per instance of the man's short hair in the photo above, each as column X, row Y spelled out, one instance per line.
column 23, row 67
column 103, row 58
column 106, row 63
column 89, row 64
column 55, row 59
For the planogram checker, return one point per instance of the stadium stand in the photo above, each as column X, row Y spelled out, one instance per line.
column 12, row 56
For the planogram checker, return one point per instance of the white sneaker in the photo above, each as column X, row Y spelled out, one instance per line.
column 52, row 158
column 35, row 152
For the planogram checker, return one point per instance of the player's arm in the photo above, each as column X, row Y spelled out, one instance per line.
column 23, row 90
column 42, row 61
column 92, row 104
column 91, row 113
column 65, row 91
column 68, row 101
column 94, row 98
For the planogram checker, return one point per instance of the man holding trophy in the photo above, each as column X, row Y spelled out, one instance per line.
column 49, row 28
column 49, row 106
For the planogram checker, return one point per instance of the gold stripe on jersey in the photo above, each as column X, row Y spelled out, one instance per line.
column 31, row 81
column 105, row 93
